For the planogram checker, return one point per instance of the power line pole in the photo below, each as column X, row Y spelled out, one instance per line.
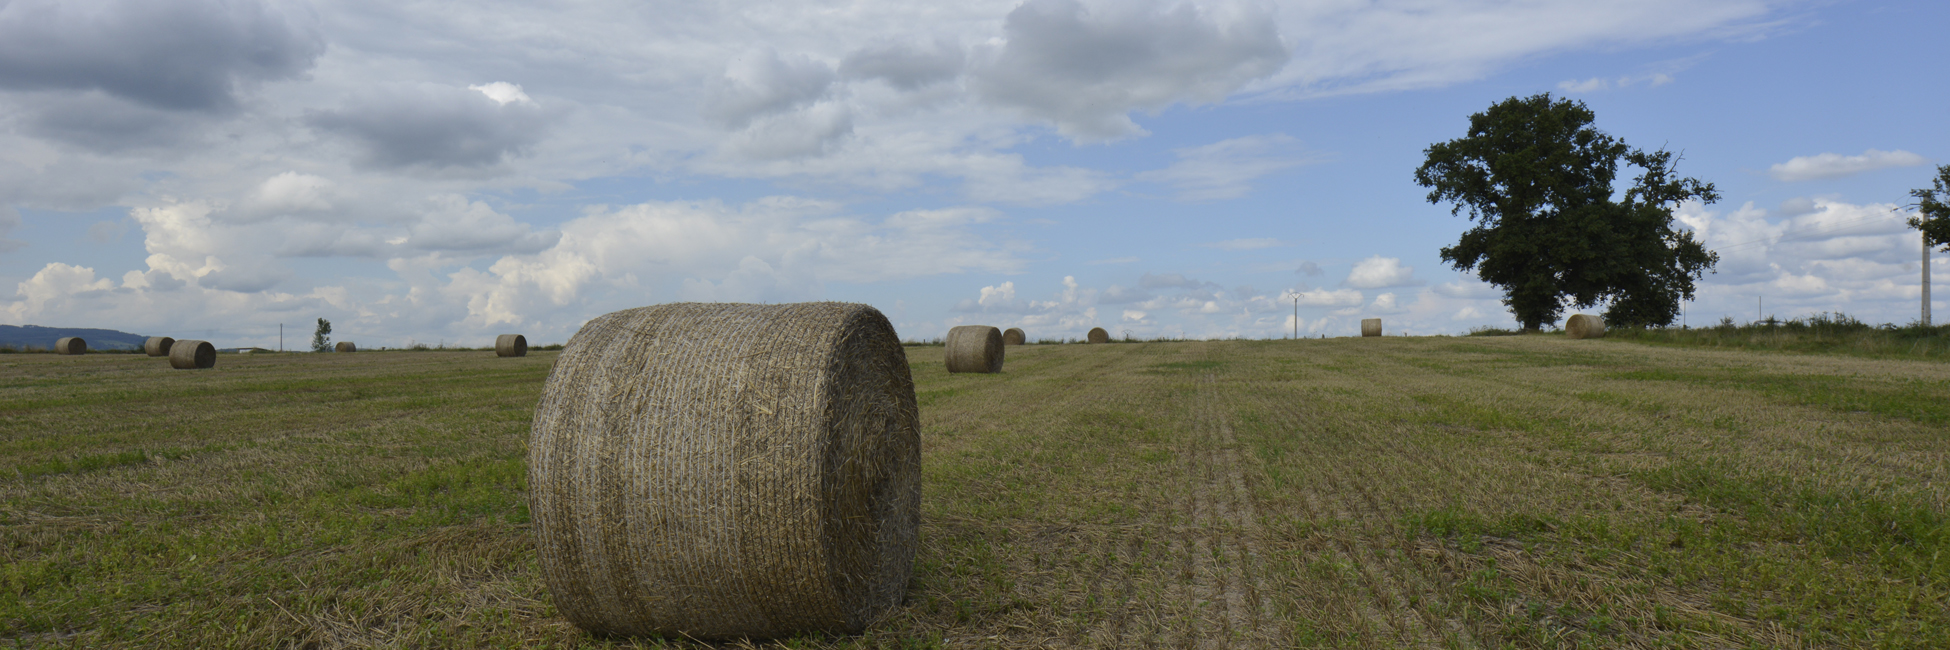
column 1296, row 306
column 1926, row 276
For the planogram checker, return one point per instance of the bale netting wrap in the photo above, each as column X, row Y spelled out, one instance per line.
column 157, row 346
column 511, row 345
column 728, row 470
column 1014, row 336
column 1098, row 335
column 1584, row 326
column 1371, row 327
column 974, row 348
column 345, row 346
column 191, row 355
column 70, row 345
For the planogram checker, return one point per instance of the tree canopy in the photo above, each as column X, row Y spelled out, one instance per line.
column 321, row 338
column 1934, row 203
column 1537, row 179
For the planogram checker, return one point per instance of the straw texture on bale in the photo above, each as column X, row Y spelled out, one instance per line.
column 345, row 346
column 974, row 348
column 728, row 470
column 1098, row 335
column 511, row 345
column 70, row 345
column 191, row 355
column 157, row 346
column 1584, row 326
column 1371, row 327
column 1014, row 336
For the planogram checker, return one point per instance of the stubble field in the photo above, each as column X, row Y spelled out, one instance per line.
column 1369, row 493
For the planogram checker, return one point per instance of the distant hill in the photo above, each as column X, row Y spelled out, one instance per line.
column 21, row 337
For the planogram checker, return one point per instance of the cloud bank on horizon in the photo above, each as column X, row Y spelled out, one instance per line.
column 412, row 175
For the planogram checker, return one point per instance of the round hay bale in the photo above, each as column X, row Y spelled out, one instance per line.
column 191, row 355
column 1371, row 327
column 345, row 346
column 728, row 470
column 974, row 348
column 157, row 346
column 70, row 345
column 1584, row 326
column 1098, row 335
column 511, row 345
column 1014, row 336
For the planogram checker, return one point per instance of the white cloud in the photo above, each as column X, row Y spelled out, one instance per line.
column 1085, row 66
column 1830, row 165
column 502, row 92
column 1224, row 169
column 1379, row 272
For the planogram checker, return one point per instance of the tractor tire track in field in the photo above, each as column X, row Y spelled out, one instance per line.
column 1225, row 564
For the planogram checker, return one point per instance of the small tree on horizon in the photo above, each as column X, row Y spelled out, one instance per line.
column 1536, row 178
column 321, row 339
column 1934, row 204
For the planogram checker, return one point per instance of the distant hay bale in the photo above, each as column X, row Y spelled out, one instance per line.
column 1371, row 327
column 1582, row 326
column 157, row 346
column 191, row 355
column 511, row 345
column 345, row 346
column 70, row 345
column 974, row 348
column 1098, row 335
column 728, row 470
column 1014, row 336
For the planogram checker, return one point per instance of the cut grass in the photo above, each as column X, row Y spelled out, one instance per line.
column 1485, row 492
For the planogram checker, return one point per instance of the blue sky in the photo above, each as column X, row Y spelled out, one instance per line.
column 210, row 169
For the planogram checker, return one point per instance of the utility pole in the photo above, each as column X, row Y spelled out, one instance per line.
column 1926, row 303
column 280, row 337
column 1926, row 276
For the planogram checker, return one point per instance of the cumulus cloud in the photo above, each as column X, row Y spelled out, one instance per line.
column 1830, row 165
column 433, row 126
column 763, row 83
column 192, row 55
column 1224, row 169
column 1379, row 272
column 455, row 224
column 907, row 66
column 1084, row 67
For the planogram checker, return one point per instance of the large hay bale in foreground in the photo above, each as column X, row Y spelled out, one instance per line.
column 157, row 346
column 1014, row 336
column 70, row 345
column 191, row 355
column 728, row 470
column 1098, row 335
column 345, row 346
column 974, row 348
column 1371, row 327
column 1583, row 326
column 511, row 345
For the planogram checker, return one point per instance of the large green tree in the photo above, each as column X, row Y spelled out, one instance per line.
column 1537, row 179
column 1934, row 204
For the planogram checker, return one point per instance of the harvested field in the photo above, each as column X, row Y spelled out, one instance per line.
column 1489, row 492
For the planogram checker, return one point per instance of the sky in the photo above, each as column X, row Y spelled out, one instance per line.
column 427, row 172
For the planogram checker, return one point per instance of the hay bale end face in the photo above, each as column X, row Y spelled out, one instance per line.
column 1014, row 336
column 70, row 345
column 192, row 355
column 1371, row 327
column 157, row 346
column 1098, row 335
column 728, row 470
column 1584, row 326
column 511, row 345
column 345, row 346
column 974, row 348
